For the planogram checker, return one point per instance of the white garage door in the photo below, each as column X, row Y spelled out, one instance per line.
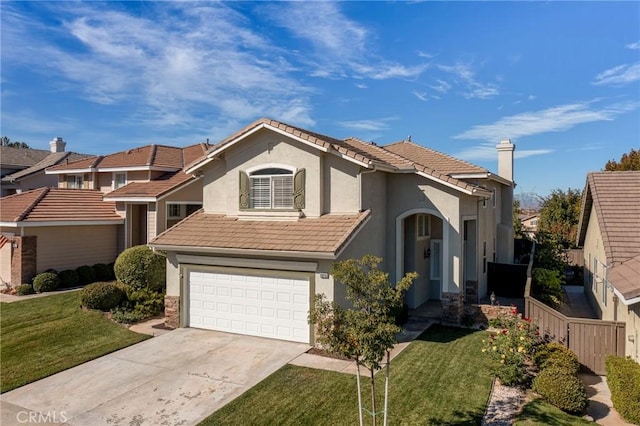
column 254, row 305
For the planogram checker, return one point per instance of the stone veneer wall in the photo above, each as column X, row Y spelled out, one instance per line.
column 172, row 311
column 23, row 260
column 481, row 314
column 452, row 307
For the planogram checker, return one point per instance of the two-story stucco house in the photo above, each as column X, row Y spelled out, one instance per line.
column 282, row 204
column 609, row 232
column 101, row 205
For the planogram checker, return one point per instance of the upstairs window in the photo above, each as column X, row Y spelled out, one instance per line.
column 119, row 180
column 274, row 188
column 75, row 181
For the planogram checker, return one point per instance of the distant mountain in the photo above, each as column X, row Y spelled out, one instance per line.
column 528, row 200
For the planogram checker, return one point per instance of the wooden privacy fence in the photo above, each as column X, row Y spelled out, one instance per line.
column 592, row 340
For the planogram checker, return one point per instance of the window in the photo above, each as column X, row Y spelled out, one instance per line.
column 271, row 188
column 493, row 197
column 604, row 292
column 436, row 259
column 74, row 181
column 423, row 225
column 174, row 211
column 595, row 274
column 119, row 180
column 178, row 211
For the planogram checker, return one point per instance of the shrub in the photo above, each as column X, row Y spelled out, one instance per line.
column 69, row 278
column 46, row 281
column 565, row 391
column 140, row 268
column 102, row 296
column 86, row 274
column 555, row 354
column 24, row 289
column 547, row 286
column 623, row 378
column 126, row 315
column 103, row 272
column 141, row 304
column 400, row 314
column 511, row 348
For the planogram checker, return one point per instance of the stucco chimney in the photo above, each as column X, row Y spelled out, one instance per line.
column 57, row 144
column 505, row 159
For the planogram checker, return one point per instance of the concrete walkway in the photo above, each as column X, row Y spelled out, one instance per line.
column 600, row 407
column 577, row 305
column 10, row 298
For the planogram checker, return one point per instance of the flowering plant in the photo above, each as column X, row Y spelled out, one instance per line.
column 511, row 348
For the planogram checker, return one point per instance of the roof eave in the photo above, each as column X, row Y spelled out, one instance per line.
column 246, row 252
column 35, row 223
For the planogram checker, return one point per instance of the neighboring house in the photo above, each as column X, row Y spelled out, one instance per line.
column 609, row 232
column 147, row 185
column 22, row 169
column 530, row 224
column 51, row 228
column 282, row 204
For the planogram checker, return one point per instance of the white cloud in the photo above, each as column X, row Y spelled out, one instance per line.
column 472, row 88
column 340, row 47
column 484, row 152
column 423, row 96
column 179, row 64
column 361, row 86
column 618, row 76
column 441, row 86
column 372, row 125
column 554, row 119
column 633, row 46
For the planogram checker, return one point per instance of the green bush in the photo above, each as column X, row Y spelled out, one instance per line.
column 69, row 278
column 46, row 281
column 565, row 391
column 24, row 289
column 126, row 315
column 139, row 267
column 103, row 272
column 102, row 296
column 556, row 354
column 141, row 304
column 86, row 274
column 547, row 286
column 623, row 378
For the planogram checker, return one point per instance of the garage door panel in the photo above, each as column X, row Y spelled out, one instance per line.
column 249, row 304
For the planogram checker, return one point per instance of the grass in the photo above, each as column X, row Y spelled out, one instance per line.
column 43, row 336
column 440, row 379
column 538, row 412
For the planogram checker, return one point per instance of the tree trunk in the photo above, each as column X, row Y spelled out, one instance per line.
column 373, row 396
column 386, row 390
column 359, row 392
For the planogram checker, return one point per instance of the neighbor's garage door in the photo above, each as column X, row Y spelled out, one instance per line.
column 247, row 304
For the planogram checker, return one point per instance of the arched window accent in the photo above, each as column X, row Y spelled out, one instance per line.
column 272, row 187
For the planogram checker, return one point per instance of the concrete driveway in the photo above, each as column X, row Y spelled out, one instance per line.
column 178, row 378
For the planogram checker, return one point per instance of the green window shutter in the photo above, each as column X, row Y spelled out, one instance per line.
column 244, row 190
column 298, row 189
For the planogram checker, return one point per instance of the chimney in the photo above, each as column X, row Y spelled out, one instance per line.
column 57, row 144
column 505, row 159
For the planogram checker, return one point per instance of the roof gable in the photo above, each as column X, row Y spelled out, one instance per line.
column 434, row 160
column 50, row 160
column 153, row 188
column 615, row 197
column 21, row 157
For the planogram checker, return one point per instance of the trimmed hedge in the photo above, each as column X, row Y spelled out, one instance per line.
column 24, row 289
column 46, row 281
column 103, row 272
column 623, row 378
column 69, row 278
column 140, row 268
column 562, row 389
column 102, row 296
column 556, row 354
column 86, row 274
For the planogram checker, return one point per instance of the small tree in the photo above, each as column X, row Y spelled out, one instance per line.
column 628, row 161
column 366, row 332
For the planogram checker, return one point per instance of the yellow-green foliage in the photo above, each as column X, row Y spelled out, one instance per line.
column 623, row 378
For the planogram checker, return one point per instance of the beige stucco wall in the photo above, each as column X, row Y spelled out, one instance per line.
column 5, row 263
column 340, row 186
column 594, row 249
column 68, row 247
column 37, row 180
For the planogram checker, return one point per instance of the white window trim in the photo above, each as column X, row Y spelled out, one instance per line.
column 113, row 179
column 291, row 170
column 427, row 226
column 181, row 208
column 75, row 175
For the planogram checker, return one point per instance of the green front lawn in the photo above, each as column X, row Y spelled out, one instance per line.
column 42, row 336
column 441, row 378
column 541, row 413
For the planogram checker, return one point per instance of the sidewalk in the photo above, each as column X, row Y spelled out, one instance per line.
column 577, row 305
column 10, row 298
column 600, row 407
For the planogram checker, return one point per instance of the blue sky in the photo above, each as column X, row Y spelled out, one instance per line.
column 561, row 79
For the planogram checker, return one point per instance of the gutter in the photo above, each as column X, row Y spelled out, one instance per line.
column 245, row 252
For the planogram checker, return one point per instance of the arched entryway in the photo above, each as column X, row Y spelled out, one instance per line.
column 421, row 246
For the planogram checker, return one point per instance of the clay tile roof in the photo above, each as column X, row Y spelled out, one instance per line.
column 377, row 153
column 21, row 157
column 57, row 204
column 192, row 153
column 625, row 277
column 153, row 188
column 50, row 160
column 326, row 234
column 432, row 159
column 616, row 199
column 86, row 163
